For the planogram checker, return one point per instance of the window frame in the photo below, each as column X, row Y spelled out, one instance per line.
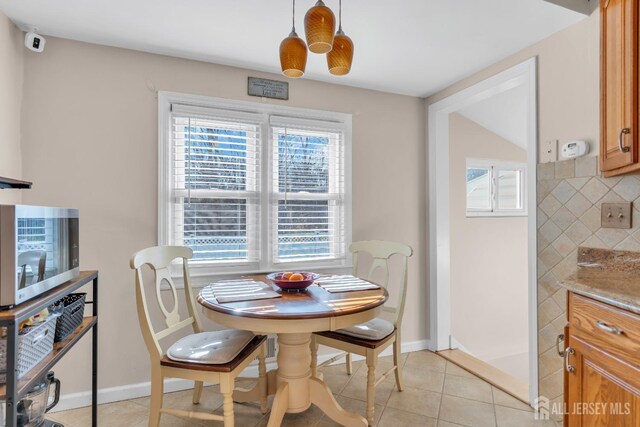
column 205, row 269
column 494, row 167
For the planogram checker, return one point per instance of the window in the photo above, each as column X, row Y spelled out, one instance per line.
column 251, row 187
column 38, row 234
column 495, row 188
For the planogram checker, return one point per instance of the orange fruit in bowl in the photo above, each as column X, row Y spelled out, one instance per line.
column 296, row 277
column 286, row 276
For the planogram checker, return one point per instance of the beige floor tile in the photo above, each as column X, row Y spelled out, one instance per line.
column 245, row 414
column 352, row 405
column 117, row 415
column 336, row 377
column 508, row 417
column 357, row 389
column 310, row 417
column 416, row 401
column 336, row 382
column 383, row 365
column 393, row 418
column 423, row 378
column 467, row 412
column 503, row 399
column 342, row 367
column 433, row 388
column 427, row 360
column 453, row 369
column 469, row 388
column 448, row 424
column 211, row 399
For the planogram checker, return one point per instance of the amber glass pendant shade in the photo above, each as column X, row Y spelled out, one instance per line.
column 319, row 28
column 293, row 56
column 340, row 58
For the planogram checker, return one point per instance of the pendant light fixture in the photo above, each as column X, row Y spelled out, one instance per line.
column 319, row 28
column 339, row 59
column 293, row 52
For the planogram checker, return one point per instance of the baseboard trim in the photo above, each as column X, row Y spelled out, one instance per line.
column 134, row 391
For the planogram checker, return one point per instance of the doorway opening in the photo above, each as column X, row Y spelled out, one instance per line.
column 482, row 174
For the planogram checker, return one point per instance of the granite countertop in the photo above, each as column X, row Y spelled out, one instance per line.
column 617, row 288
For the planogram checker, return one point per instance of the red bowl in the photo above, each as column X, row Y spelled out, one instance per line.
column 293, row 285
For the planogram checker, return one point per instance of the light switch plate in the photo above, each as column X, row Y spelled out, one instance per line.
column 616, row 215
column 549, row 151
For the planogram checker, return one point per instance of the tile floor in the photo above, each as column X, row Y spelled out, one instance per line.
column 437, row 394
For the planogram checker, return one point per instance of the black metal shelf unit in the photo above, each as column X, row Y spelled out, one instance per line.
column 15, row 389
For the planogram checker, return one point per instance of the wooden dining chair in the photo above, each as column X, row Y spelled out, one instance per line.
column 216, row 357
column 369, row 339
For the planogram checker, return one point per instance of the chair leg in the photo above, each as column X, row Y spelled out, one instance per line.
column 349, row 367
column 226, row 387
column 197, row 392
column 157, row 390
column 314, row 357
column 371, row 386
column 262, row 377
column 396, row 361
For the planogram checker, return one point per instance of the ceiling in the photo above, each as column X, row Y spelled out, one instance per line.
column 412, row 47
column 504, row 114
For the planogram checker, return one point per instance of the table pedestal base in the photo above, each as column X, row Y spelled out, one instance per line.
column 294, row 387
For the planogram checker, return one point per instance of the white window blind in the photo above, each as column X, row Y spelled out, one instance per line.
column 495, row 188
column 308, row 194
column 38, row 234
column 251, row 189
column 215, row 184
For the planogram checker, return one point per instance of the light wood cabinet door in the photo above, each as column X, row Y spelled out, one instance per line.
column 601, row 389
column 619, row 86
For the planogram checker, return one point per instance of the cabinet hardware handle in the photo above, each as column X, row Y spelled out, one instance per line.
column 559, row 340
column 600, row 324
column 624, row 131
column 569, row 351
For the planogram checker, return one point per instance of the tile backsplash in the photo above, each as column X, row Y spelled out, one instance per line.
column 569, row 197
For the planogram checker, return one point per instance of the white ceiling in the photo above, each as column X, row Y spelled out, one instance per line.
column 504, row 114
column 413, row 47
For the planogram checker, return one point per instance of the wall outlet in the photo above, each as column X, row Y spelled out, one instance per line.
column 549, row 151
column 616, row 215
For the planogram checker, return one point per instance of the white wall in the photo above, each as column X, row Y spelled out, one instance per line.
column 11, row 75
column 90, row 137
column 489, row 271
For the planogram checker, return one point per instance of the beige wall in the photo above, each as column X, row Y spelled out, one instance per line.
column 11, row 75
column 568, row 82
column 489, row 297
column 90, row 137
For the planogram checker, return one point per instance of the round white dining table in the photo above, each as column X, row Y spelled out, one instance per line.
column 294, row 317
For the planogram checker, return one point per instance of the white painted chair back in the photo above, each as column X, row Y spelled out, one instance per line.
column 36, row 260
column 159, row 258
column 381, row 252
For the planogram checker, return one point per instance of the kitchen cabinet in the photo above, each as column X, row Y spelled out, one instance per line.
column 602, row 368
column 619, row 73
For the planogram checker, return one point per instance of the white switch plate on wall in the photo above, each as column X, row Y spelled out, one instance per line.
column 549, row 151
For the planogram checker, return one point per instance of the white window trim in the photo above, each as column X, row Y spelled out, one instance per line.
column 201, row 273
column 496, row 165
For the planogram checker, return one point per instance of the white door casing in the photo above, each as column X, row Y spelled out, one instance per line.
column 439, row 204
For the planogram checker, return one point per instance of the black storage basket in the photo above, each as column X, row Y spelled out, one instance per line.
column 72, row 315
